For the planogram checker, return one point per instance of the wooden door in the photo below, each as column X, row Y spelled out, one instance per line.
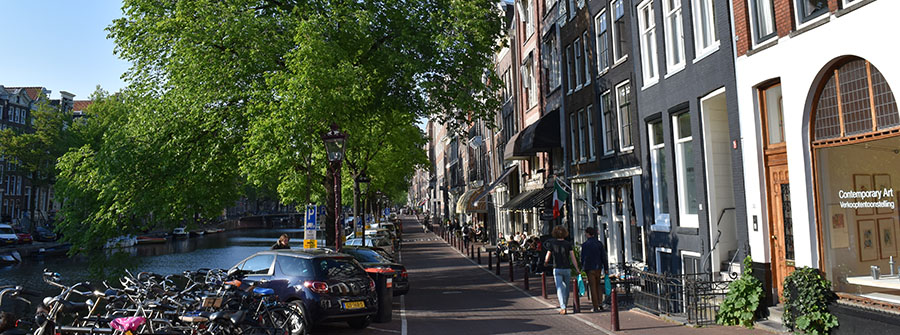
column 781, row 238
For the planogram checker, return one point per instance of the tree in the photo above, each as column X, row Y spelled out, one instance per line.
column 36, row 150
column 223, row 93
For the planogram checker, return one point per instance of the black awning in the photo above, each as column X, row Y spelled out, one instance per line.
column 541, row 136
column 529, row 199
column 499, row 180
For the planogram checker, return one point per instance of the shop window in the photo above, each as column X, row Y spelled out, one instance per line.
column 685, row 171
column 857, row 170
column 658, row 170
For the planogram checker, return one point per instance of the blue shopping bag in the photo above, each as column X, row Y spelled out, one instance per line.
column 607, row 284
column 580, row 285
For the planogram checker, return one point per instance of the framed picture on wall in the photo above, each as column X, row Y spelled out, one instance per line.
column 839, row 232
column 868, row 240
column 883, row 182
column 862, row 183
column 887, row 238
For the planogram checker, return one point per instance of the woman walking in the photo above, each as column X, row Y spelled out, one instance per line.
column 563, row 260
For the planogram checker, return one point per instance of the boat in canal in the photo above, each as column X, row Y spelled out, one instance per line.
column 198, row 232
column 10, row 257
column 180, row 232
column 141, row 240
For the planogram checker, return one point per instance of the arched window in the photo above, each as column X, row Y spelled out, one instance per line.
column 854, row 101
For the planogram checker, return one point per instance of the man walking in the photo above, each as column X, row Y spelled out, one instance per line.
column 594, row 262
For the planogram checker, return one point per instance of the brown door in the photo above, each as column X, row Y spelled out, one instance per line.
column 780, row 225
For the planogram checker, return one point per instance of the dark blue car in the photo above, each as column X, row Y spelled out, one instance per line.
column 327, row 286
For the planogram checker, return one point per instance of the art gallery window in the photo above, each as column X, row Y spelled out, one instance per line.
column 855, row 135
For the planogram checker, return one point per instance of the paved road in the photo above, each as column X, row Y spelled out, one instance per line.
column 449, row 294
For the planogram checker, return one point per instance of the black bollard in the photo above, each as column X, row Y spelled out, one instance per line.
column 385, row 291
column 490, row 260
column 544, row 284
column 525, row 279
column 497, row 268
column 479, row 256
column 512, row 278
column 576, row 305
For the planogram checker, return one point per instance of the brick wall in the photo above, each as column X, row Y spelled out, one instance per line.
column 784, row 17
column 742, row 27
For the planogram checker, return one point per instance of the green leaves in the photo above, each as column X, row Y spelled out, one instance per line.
column 806, row 297
column 742, row 300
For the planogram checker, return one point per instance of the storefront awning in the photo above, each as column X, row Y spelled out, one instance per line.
column 529, row 199
column 472, row 206
column 499, row 180
column 463, row 200
column 541, row 136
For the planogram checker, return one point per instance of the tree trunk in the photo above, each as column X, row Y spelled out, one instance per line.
column 355, row 202
column 329, row 206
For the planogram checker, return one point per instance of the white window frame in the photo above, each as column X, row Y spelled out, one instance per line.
column 684, row 218
column 570, row 71
column 699, row 33
column 608, row 147
column 848, row 3
column 571, row 10
column 615, row 32
column 555, row 73
column 674, row 44
column 622, row 146
column 579, row 81
column 587, row 60
column 798, row 21
column 582, row 130
column 605, row 31
column 573, row 134
column 661, row 220
column 647, row 36
column 768, row 15
column 592, row 154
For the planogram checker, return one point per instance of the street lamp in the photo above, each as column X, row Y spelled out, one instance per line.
column 334, row 146
column 361, row 181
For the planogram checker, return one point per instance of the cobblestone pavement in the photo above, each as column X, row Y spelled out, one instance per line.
column 452, row 294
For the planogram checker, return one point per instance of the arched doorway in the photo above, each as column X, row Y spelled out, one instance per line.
column 855, row 145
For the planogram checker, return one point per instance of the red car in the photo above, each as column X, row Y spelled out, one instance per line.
column 24, row 238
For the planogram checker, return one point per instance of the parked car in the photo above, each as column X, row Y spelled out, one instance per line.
column 376, row 241
column 324, row 285
column 7, row 235
column 42, row 234
column 24, row 238
column 371, row 259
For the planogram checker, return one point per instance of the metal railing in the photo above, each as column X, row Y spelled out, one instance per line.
column 690, row 298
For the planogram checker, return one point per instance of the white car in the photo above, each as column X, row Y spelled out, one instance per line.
column 379, row 242
column 8, row 235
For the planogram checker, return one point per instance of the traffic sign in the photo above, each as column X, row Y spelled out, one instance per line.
column 309, row 227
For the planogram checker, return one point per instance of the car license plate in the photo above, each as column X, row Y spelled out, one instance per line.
column 354, row 304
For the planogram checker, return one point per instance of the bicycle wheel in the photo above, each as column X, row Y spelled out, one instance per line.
column 290, row 319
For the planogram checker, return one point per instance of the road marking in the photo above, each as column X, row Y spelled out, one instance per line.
column 451, row 292
column 527, row 294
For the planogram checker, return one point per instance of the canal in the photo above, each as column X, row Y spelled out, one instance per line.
column 220, row 250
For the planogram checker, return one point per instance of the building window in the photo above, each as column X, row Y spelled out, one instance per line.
column 570, row 71
column 762, row 20
column 526, row 10
column 623, row 99
column 608, row 123
column 587, row 60
column 578, row 71
column 589, row 111
column 674, row 29
column 571, row 9
column 658, row 169
column 582, row 139
column 553, row 63
column 685, row 172
column 705, row 39
column 602, row 43
column 647, row 29
column 528, row 83
column 844, row 106
column 848, row 3
column 810, row 9
column 573, row 135
column 773, row 114
column 618, row 30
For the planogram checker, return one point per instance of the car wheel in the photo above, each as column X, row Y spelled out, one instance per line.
column 360, row 323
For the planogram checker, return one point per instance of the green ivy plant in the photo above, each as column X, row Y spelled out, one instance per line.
column 742, row 300
column 806, row 294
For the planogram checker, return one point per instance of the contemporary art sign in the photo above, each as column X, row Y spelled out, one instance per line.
column 882, row 198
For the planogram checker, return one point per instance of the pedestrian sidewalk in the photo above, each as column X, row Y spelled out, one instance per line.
column 631, row 321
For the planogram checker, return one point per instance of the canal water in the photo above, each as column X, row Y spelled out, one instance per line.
column 220, row 250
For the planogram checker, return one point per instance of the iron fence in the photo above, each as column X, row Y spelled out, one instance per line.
column 690, row 298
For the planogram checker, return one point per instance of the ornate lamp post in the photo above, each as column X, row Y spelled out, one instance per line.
column 334, row 145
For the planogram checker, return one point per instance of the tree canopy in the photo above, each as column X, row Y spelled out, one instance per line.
column 225, row 93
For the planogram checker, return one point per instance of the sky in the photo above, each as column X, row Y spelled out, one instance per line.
column 60, row 45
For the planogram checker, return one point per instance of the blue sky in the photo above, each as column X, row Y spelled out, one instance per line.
column 60, row 45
